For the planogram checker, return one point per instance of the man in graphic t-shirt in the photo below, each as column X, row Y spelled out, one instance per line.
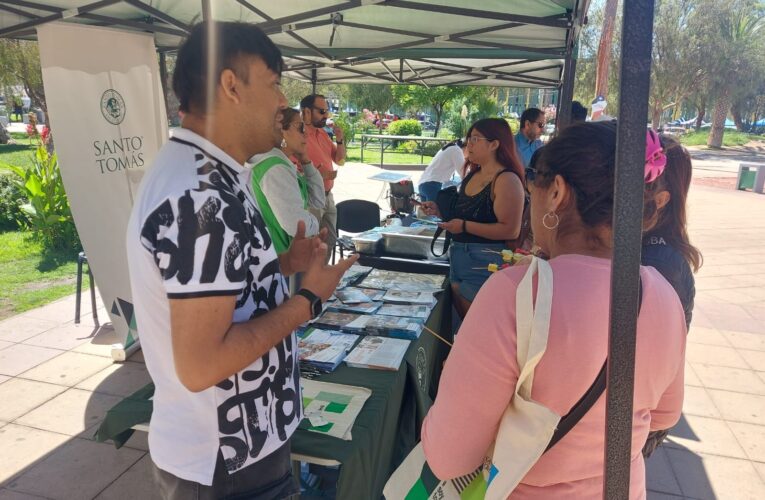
column 211, row 301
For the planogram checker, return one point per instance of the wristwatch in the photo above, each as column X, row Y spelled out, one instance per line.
column 340, row 142
column 313, row 299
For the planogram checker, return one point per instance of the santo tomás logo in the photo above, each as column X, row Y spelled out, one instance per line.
column 113, row 107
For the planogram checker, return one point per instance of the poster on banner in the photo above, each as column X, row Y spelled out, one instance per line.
column 107, row 112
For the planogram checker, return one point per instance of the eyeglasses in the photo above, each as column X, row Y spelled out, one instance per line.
column 473, row 139
column 322, row 111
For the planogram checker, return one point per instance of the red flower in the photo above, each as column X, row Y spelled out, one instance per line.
column 31, row 130
column 45, row 134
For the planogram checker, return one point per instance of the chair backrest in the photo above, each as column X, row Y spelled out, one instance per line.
column 355, row 216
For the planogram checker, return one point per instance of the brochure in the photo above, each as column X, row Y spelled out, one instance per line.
column 379, row 353
column 391, row 326
column 400, row 297
column 365, row 308
column 324, row 349
column 331, row 409
column 406, row 282
column 405, row 311
column 351, row 295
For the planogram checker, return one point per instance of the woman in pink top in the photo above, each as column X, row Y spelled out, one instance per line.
column 571, row 211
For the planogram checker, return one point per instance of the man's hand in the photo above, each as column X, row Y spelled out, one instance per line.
column 454, row 226
column 298, row 256
column 321, row 278
column 337, row 132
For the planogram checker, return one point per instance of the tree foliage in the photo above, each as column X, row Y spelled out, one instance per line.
column 20, row 61
column 419, row 98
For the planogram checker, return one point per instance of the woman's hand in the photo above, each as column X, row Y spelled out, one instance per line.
column 454, row 226
column 430, row 208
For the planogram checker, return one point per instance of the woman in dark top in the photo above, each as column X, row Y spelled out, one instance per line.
column 666, row 245
column 488, row 210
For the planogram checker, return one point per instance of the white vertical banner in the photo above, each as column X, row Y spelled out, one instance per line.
column 107, row 115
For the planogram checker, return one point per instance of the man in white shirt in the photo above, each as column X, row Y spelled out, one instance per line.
column 211, row 300
column 448, row 161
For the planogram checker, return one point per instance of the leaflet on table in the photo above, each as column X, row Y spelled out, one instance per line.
column 392, row 326
column 405, row 311
column 400, row 297
column 353, row 274
column 325, row 349
column 378, row 352
column 366, row 308
column 352, row 295
column 407, row 282
column 331, row 409
column 333, row 319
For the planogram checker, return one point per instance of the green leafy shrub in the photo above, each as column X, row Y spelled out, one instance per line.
column 47, row 213
column 11, row 199
column 410, row 147
column 431, row 148
column 515, row 125
column 344, row 121
column 405, row 127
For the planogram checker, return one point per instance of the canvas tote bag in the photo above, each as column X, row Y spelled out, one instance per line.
column 526, row 426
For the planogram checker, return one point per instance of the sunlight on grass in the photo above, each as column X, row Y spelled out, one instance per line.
column 29, row 278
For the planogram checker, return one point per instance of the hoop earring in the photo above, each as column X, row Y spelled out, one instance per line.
column 552, row 215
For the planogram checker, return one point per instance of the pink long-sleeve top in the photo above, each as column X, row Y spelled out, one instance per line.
column 481, row 372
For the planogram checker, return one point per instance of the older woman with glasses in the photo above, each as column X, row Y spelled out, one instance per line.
column 488, row 211
column 286, row 184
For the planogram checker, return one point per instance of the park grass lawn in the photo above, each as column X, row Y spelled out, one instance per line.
column 29, row 277
column 19, row 154
column 731, row 138
column 372, row 156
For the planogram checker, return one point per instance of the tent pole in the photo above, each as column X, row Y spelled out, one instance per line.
column 566, row 93
column 313, row 81
column 206, row 10
column 634, row 80
column 163, row 77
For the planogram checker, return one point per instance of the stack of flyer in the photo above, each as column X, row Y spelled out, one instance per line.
column 379, row 353
column 403, row 282
column 399, row 297
column 353, row 275
column 324, row 349
column 391, row 326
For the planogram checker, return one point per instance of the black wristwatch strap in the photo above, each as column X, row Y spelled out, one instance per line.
column 313, row 299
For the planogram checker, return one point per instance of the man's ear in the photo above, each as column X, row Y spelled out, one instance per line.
column 229, row 84
column 661, row 199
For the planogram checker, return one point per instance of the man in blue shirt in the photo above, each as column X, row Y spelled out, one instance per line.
column 527, row 139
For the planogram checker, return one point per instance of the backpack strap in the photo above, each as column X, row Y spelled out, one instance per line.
column 580, row 409
column 447, row 242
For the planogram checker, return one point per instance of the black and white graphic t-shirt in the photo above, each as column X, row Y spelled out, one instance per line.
column 195, row 231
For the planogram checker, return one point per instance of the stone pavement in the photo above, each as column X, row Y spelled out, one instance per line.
column 57, row 380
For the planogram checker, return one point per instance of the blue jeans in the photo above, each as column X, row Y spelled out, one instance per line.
column 429, row 190
column 468, row 265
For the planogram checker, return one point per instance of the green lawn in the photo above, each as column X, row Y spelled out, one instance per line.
column 372, row 156
column 28, row 278
column 730, row 138
column 19, row 154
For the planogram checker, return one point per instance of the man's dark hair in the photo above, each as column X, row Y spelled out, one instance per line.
column 233, row 42
column 530, row 115
column 309, row 100
column 578, row 112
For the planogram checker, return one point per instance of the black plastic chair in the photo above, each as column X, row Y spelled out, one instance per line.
column 355, row 216
column 83, row 259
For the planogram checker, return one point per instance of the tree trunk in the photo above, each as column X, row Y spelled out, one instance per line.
column 604, row 48
column 656, row 116
column 701, row 110
column 439, row 111
column 737, row 118
column 722, row 106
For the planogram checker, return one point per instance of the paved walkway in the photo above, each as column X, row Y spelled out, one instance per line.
column 57, row 379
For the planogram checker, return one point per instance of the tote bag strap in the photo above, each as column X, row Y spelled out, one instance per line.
column 532, row 322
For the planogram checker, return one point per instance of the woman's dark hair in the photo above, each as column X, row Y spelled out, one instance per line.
column 670, row 222
column 289, row 114
column 233, row 41
column 584, row 155
column 497, row 129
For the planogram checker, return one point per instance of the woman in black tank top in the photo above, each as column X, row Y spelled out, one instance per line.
column 489, row 208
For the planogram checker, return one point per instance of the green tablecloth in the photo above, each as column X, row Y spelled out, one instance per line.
column 384, row 432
